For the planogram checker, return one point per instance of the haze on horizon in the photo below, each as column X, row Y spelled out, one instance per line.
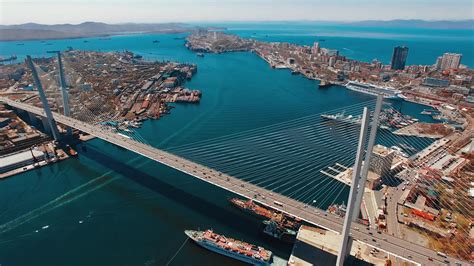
column 152, row 11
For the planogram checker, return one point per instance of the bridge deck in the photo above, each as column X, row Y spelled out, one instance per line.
column 395, row 246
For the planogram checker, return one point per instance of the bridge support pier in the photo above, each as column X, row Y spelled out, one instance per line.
column 44, row 100
column 33, row 118
column 45, row 123
column 346, row 244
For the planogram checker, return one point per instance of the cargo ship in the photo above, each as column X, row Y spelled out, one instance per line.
column 266, row 213
column 387, row 93
column 229, row 247
column 273, row 229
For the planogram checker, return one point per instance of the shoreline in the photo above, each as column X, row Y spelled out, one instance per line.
column 62, row 156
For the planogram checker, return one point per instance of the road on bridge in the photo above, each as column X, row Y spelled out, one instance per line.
column 392, row 245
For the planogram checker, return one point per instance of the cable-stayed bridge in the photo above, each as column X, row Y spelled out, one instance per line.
column 308, row 213
column 256, row 165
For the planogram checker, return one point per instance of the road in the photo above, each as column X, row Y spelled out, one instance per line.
column 390, row 244
column 393, row 212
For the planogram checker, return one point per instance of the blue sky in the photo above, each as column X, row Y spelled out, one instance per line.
column 118, row 11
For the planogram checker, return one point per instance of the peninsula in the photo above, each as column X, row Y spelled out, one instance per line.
column 426, row 84
column 34, row 31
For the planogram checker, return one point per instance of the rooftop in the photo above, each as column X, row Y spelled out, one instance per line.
column 381, row 150
column 19, row 157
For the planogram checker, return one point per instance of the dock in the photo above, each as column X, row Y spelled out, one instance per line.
column 339, row 172
column 316, row 246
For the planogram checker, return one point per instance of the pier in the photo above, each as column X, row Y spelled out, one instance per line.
column 341, row 173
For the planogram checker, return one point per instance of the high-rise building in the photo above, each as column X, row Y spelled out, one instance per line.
column 381, row 161
column 332, row 61
column 376, row 64
column 332, row 52
column 449, row 61
column 439, row 60
column 315, row 48
column 399, row 57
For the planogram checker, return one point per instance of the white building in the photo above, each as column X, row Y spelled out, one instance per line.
column 20, row 159
column 450, row 61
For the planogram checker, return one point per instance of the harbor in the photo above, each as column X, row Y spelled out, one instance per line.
column 156, row 202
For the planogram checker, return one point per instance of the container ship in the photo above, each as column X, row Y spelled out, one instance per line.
column 371, row 89
column 229, row 247
column 266, row 213
column 275, row 230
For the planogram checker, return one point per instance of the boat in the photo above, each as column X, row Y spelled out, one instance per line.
column 324, row 84
column 295, row 72
column 71, row 151
column 261, row 212
column 229, row 247
column 274, row 229
column 200, row 54
column 341, row 117
column 252, row 208
column 156, row 41
column 387, row 93
column 396, row 148
column 429, row 112
column 11, row 58
column 408, row 147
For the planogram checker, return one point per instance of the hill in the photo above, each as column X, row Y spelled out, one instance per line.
column 34, row 31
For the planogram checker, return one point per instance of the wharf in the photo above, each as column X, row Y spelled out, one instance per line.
column 422, row 130
column 341, row 173
column 61, row 156
column 316, row 246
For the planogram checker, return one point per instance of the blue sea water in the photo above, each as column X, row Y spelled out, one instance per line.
column 366, row 43
column 110, row 206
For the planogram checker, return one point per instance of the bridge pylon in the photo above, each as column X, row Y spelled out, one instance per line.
column 368, row 157
column 346, row 243
column 64, row 92
column 359, row 177
column 49, row 115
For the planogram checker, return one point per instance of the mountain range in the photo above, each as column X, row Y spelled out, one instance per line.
column 416, row 23
column 34, row 31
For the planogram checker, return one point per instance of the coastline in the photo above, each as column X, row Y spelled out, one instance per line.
column 61, row 156
column 94, row 36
